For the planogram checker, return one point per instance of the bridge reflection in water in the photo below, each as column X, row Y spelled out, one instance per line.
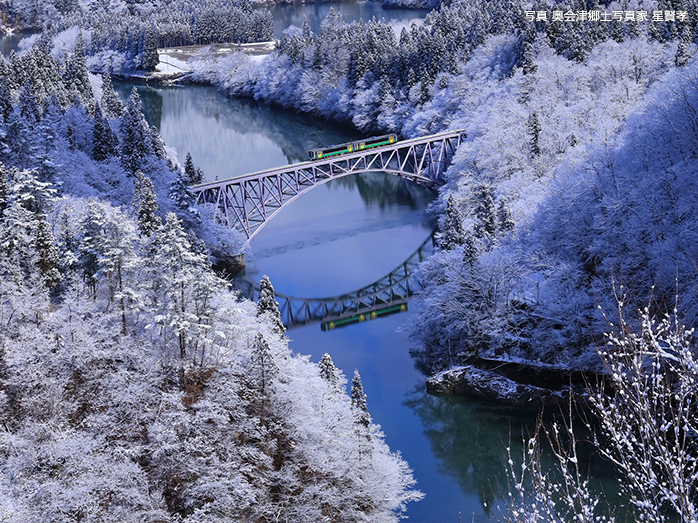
column 388, row 295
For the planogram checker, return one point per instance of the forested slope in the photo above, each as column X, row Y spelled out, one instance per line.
column 134, row 385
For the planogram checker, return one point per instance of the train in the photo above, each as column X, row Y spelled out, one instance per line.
column 349, row 147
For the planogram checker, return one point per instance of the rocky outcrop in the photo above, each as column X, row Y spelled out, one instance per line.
column 517, row 384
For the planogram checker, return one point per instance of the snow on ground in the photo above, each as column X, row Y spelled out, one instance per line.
column 175, row 60
column 170, row 65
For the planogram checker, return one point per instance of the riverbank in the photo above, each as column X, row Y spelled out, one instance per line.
column 174, row 62
column 521, row 384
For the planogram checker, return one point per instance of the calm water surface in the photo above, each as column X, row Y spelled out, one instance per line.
column 11, row 42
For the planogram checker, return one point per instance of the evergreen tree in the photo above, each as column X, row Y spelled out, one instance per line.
column 17, row 253
column 150, row 58
column 157, row 144
column 31, row 193
column 411, row 79
column 180, row 192
column 329, row 372
column 682, row 55
column 533, row 128
column 424, row 92
column 111, row 103
column 5, row 100
column 4, row 188
column 358, row 401
column 103, row 139
column 307, row 32
column 267, row 304
column 28, row 105
column 68, row 240
column 185, row 276
column 90, row 248
column 485, row 212
column 504, row 219
column 470, row 252
column 118, row 260
column 135, row 135
column 21, row 142
column 48, row 133
column 452, row 232
column 21, row 232
column 47, row 254
column 189, row 170
column 76, row 77
column 147, row 203
column 265, row 368
column 529, row 65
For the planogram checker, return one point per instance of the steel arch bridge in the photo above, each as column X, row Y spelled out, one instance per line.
column 248, row 202
column 386, row 295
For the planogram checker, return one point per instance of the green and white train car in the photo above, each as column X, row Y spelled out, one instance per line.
column 350, row 147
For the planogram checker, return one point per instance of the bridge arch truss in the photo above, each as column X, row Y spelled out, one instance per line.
column 248, row 202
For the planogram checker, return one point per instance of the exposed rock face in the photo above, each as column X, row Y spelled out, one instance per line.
column 516, row 384
column 227, row 264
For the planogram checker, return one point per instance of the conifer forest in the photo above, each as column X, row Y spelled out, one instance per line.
column 140, row 383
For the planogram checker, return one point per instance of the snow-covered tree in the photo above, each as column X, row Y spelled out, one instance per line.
column 110, row 103
column 505, row 223
column 147, row 204
column 268, row 306
column 183, row 274
column 329, row 372
column 104, row 142
column 451, row 232
column 47, row 260
column 533, row 128
column 264, row 368
column 193, row 175
column 180, row 192
column 134, row 135
column 358, row 401
column 150, row 58
column 485, row 212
